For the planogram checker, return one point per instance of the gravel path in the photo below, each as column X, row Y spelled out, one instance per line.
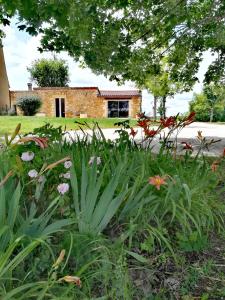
column 188, row 134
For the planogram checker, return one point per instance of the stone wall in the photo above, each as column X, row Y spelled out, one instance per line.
column 78, row 101
column 4, row 84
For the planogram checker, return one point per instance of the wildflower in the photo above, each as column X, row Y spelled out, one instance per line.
column 140, row 115
column 168, row 122
column 199, row 136
column 27, row 156
column 93, row 158
column 42, row 142
column 63, row 188
column 190, row 118
column 143, row 123
column 41, row 178
column 33, row 173
column 68, row 164
column 157, row 181
column 214, row 165
column 150, row 133
column 187, row 146
column 66, row 175
column 59, row 259
column 133, row 132
column 72, row 279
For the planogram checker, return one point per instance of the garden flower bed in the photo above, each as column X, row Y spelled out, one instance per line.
column 102, row 219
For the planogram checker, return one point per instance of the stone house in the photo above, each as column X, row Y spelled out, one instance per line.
column 84, row 102
column 73, row 101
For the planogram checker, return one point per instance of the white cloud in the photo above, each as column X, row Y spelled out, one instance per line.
column 20, row 50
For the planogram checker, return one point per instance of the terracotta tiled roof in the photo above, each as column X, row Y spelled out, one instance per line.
column 67, row 88
column 120, row 94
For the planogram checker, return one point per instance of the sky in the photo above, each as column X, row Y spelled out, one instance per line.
column 20, row 50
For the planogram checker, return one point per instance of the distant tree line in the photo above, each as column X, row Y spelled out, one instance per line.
column 210, row 104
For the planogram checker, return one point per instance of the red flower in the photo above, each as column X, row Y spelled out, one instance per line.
column 190, row 118
column 187, row 146
column 168, row 122
column 215, row 165
column 150, row 133
column 223, row 152
column 140, row 115
column 143, row 123
column 133, row 132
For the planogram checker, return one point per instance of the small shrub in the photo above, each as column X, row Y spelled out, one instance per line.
column 29, row 104
column 3, row 110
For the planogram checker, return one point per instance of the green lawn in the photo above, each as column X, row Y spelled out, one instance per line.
column 8, row 124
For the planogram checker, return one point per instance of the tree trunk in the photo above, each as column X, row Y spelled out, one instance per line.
column 164, row 107
column 211, row 114
column 155, row 107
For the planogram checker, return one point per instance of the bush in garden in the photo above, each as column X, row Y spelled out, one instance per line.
column 126, row 207
column 29, row 104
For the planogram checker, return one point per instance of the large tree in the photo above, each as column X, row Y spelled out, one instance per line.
column 215, row 96
column 49, row 72
column 210, row 104
column 119, row 38
column 161, row 85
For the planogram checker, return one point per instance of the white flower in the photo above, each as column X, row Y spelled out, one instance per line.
column 68, row 164
column 66, row 175
column 27, row 156
column 63, row 188
column 93, row 158
column 33, row 173
column 41, row 178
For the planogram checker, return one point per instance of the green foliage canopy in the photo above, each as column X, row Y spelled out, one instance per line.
column 210, row 104
column 162, row 86
column 120, row 38
column 49, row 72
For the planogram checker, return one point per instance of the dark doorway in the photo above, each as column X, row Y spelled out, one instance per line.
column 60, row 107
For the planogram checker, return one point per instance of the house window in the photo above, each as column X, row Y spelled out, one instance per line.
column 60, row 107
column 118, row 109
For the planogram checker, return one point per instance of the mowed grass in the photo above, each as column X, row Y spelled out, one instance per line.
column 8, row 124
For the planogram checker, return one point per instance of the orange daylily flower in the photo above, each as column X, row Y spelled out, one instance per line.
column 150, row 133
column 214, row 165
column 199, row 136
column 190, row 118
column 41, row 141
column 168, row 122
column 157, row 181
column 133, row 132
column 59, row 259
column 140, row 115
column 187, row 146
column 143, row 123
column 71, row 279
